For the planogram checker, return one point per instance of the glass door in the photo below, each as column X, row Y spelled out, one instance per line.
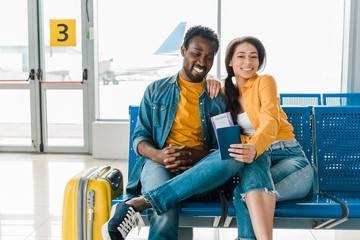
column 17, row 78
column 63, row 83
column 43, row 84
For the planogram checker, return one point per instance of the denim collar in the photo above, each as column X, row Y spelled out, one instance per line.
column 174, row 78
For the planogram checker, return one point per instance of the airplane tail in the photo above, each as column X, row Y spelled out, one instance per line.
column 172, row 44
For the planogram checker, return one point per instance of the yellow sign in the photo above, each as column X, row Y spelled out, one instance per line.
column 62, row 32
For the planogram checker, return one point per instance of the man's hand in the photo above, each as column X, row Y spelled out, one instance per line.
column 148, row 150
column 182, row 157
column 177, row 158
column 174, row 157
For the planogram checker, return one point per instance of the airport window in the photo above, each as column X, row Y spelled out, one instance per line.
column 14, row 49
column 15, row 109
column 303, row 40
column 62, row 62
column 139, row 42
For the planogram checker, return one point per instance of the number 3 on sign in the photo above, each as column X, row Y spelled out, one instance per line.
column 62, row 32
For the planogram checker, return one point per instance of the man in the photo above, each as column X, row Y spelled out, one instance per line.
column 172, row 134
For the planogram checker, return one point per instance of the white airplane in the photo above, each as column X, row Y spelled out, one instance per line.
column 166, row 57
column 8, row 72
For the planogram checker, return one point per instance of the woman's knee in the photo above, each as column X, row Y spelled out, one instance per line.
column 296, row 185
column 256, row 176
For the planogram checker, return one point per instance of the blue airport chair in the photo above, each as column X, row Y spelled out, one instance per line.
column 341, row 99
column 338, row 155
column 301, row 120
column 338, row 147
column 300, row 99
column 133, row 112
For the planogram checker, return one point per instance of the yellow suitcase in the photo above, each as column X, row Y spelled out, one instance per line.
column 87, row 202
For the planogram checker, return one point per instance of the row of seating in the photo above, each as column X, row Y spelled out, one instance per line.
column 317, row 99
column 330, row 137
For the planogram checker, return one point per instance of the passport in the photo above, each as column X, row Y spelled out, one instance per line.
column 227, row 136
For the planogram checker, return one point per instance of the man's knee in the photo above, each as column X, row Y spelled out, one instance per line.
column 153, row 175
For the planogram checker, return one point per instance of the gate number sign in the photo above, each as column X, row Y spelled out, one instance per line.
column 62, row 32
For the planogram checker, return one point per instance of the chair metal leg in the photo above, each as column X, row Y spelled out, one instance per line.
column 186, row 233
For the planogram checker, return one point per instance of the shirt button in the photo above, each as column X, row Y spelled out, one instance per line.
column 162, row 109
column 201, row 103
column 204, row 139
column 153, row 107
column 168, row 127
column 202, row 120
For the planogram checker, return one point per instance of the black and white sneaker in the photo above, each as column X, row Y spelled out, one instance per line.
column 123, row 218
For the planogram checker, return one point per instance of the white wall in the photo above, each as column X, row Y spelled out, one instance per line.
column 111, row 139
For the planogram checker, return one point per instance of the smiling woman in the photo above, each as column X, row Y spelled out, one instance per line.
column 246, row 59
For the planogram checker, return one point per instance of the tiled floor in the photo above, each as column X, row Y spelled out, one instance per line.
column 31, row 195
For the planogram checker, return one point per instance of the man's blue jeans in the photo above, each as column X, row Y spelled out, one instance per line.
column 165, row 196
column 163, row 226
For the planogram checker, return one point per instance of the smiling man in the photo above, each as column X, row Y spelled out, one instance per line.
column 173, row 133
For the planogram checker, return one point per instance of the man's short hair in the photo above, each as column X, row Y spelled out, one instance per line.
column 204, row 32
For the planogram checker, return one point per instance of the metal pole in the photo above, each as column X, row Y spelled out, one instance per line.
column 218, row 73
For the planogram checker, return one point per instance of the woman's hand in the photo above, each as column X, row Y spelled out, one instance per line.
column 243, row 152
column 213, row 86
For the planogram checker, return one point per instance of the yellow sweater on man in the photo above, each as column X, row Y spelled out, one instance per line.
column 186, row 129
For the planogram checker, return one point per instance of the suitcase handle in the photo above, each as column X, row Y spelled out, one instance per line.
column 114, row 178
column 100, row 171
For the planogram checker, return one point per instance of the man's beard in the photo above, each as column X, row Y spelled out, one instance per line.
column 192, row 77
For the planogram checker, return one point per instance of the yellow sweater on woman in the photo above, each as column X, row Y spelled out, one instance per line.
column 262, row 105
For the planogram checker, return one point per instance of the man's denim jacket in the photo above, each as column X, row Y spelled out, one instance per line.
column 156, row 116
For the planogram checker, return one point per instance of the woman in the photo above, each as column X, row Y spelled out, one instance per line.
column 277, row 168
